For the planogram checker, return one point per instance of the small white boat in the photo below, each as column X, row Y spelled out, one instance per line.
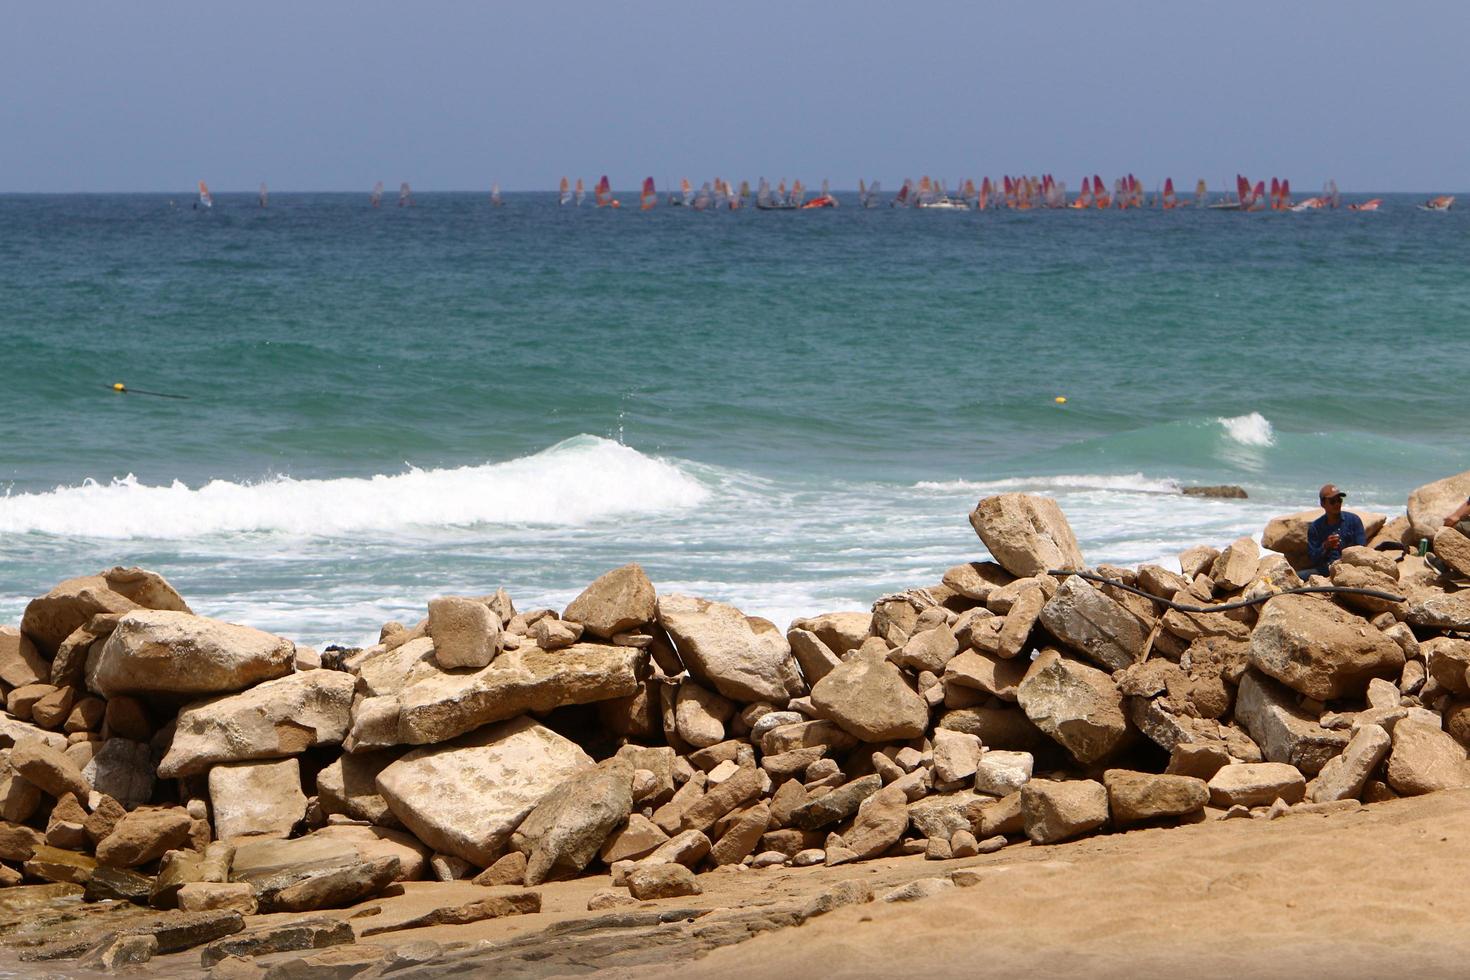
column 1442, row 203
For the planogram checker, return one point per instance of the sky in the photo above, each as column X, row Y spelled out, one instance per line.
column 338, row 94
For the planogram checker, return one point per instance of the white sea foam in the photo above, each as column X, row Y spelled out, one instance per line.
column 1128, row 483
column 1249, row 430
column 576, row 482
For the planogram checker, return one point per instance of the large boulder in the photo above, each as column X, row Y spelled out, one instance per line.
column 441, row 706
column 256, row 798
column 1344, row 776
column 1235, row 568
column 868, row 697
column 842, row 632
column 124, row 770
column 1256, row 784
column 1077, row 705
column 1425, row 760
column 616, row 602
column 1055, row 810
column 1318, row 649
column 467, row 796
column 1138, row 796
column 1026, row 534
column 1430, row 504
column 569, row 825
column 1287, row 534
column 20, row 663
column 1094, row 624
column 164, row 652
column 51, row 618
column 278, row 718
column 465, row 632
column 745, row 658
column 1285, row 733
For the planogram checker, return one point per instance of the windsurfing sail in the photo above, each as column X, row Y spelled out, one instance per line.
column 1201, row 191
column 405, row 195
column 1257, row 193
column 798, row 192
column 265, row 195
column 604, row 194
column 1329, row 191
column 565, row 197
column 1243, row 190
column 703, row 198
column 495, row 195
column 1168, row 197
column 206, row 199
column 722, row 193
column 686, row 191
column 1285, row 193
column 901, row 199
column 1100, row 198
column 862, row 193
column 377, row 195
column 763, row 194
column 1084, row 196
column 1275, row 198
column 649, row 197
column 581, row 193
column 987, row 191
column 743, row 198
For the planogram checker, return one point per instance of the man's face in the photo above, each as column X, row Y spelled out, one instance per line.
column 1332, row 505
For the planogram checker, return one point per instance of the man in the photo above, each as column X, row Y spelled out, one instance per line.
column 1335, row 530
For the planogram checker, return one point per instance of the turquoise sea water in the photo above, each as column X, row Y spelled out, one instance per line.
column 791, row 411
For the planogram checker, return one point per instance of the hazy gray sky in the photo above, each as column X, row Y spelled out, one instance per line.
column 334, row 95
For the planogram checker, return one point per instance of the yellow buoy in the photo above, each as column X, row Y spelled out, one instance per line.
column 1060, row 399
column 119, row 387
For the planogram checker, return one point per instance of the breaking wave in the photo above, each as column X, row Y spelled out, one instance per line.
column 579, row 481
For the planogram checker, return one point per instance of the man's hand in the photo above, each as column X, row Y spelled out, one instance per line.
column 1332, row 542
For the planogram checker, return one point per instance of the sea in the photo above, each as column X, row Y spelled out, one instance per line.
column 790, row 411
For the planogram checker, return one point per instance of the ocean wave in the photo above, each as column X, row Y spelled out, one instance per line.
column 1249, row 430
column 577, row 481
column 1127, row 483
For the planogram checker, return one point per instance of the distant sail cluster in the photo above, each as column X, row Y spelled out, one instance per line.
column 1017, row 193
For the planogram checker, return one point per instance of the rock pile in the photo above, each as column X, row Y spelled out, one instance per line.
column 174, row 761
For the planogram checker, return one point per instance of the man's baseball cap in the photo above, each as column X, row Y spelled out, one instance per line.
column 1329, row 492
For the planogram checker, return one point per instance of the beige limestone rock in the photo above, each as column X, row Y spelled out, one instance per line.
column 256, row 798
column 1020, row 620
column 1446, row 659
column 20, row 663
column 388, row 671
column 348, row 785
column 743, row 658
column 815, row 658
column 928, row 649
column 1089, row 622
column 654, row 881
column 1319, row 649
column 956, row 755
column 1077, row 705
column 205, row 896
column 165, row 652
column 868, row 697
column 616, row 602
column 842, row 632
column 1026, row 534
column 1235, row 568
column 143, row 836
column 637, row 838
column 1137, row 796
column 1439, row 610
column 1054, row 811
column 283, row 717
column 569, row 825
column 465, row 632
column 745, row 832
column 1285, row 733
column 974, row 580
column 986, row 672
column 1430, row 504
column 49, row 769
column 700, row 714
column 465, row 797
column 1425, row 759
column 1345, row 775
column 443, row 706
column 1256, row 784
column 124, row 770
column 50, row 619
column 1452, row 547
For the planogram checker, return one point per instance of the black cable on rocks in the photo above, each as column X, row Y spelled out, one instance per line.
column 1241, row 604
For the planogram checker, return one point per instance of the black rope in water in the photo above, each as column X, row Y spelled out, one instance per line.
column 1241, row 604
